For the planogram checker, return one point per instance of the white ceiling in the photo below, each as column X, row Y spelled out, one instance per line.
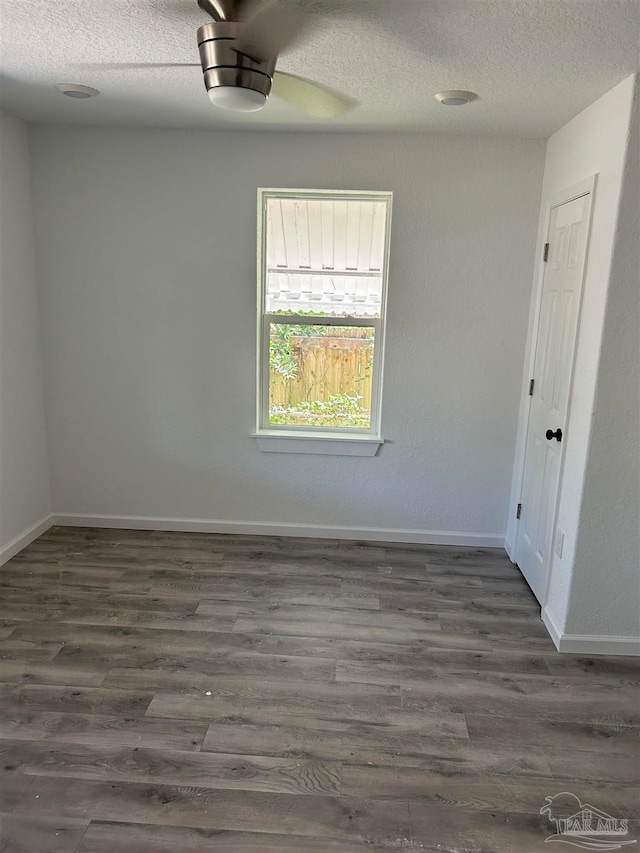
column 534, row 63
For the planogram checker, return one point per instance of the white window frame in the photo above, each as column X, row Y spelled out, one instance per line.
column 351, row 441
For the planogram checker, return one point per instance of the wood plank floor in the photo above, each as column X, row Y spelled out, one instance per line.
column 187, row 692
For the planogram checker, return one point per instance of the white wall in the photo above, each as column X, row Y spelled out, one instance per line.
column 594, row 142
column 146, row 243
column 605, row 594
column 24, row 471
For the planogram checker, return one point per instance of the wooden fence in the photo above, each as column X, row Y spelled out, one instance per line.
column 327, row 365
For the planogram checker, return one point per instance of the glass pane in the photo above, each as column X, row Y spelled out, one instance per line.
column 324, row 257
column 320, row 376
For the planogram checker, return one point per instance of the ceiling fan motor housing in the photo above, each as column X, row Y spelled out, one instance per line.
column 224, row 66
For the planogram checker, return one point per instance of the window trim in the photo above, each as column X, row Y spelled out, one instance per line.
column 318, row 440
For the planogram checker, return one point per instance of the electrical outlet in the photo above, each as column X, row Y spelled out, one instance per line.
column 559, row 542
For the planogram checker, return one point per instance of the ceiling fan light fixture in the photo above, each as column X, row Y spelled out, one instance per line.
column 233, row 80
column 237, row 99
column 455, row 98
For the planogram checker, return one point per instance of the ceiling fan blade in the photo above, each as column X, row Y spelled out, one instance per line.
column 270, row 26
column 313, row 98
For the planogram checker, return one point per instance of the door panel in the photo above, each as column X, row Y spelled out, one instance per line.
column 555, row 346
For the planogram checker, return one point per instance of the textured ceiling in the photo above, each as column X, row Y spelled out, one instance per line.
column 533, row 63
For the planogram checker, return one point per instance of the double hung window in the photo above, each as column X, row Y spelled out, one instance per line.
column 323, row 258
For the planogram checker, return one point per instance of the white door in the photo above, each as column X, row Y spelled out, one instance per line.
column 557, row 330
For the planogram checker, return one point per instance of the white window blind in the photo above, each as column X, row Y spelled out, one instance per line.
column 325, row 255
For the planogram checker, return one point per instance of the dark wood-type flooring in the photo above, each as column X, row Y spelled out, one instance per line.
column 166, row 692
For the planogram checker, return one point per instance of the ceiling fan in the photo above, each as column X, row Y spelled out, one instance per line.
column 239, row 49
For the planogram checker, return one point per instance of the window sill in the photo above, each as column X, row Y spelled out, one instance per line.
column 333, row 445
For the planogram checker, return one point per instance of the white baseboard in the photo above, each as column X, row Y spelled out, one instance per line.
column 25, row 538
column 273, row 528
column 593, row 644
column 589, row 644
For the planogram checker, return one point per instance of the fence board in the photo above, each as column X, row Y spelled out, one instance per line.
column 327, row 365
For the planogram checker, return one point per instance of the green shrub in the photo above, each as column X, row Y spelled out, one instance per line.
column 340, row 410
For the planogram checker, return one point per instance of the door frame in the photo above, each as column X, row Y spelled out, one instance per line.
column 587, row 186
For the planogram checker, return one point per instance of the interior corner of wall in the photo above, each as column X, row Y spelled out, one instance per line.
column 508, row 547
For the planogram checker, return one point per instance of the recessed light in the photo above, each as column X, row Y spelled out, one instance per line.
column 77, row 90
column 455, row 98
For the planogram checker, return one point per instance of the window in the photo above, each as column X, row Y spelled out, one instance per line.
column 322, row 291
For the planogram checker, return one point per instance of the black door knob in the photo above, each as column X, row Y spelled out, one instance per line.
column 551, row 434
